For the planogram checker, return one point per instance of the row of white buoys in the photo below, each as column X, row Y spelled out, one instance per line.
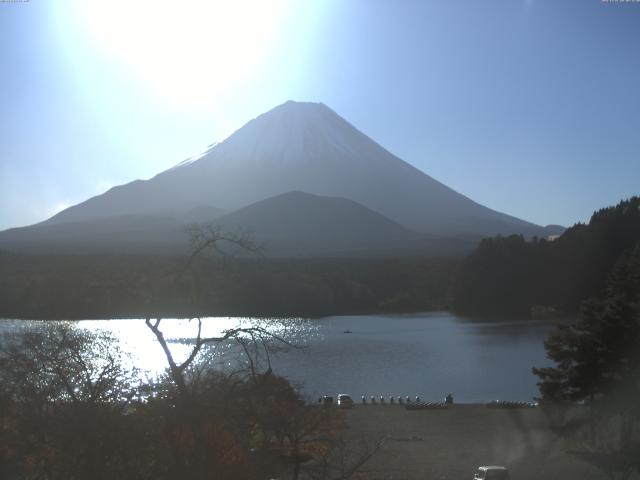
column 400, row 400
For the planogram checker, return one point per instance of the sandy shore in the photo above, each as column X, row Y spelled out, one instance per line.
column 452, row 443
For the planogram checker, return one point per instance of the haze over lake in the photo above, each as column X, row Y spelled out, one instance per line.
column 426, row 354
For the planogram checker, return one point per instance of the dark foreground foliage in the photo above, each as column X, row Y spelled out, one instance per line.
column 72, row 409
column 509, row 275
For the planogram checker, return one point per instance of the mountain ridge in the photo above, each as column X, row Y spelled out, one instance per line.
column 304, row 147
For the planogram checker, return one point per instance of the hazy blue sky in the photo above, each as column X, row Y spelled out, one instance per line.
column 530, row 107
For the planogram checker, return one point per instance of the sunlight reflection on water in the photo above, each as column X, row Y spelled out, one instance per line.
column 147, row 355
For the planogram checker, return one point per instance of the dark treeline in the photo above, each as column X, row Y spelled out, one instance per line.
column 102, row 286
column 510, row 275
column 503, row 276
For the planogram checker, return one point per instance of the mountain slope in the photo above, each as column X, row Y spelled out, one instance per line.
column 304, row 147
column 136, row 233
column 130, row 233
column 291, row 224
column 298, row 223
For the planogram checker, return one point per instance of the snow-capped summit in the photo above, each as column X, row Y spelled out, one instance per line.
column 291, row 132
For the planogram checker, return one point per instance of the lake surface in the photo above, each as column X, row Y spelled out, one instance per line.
column 426, row 354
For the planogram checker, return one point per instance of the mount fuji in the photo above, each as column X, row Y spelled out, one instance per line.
column 296, row 147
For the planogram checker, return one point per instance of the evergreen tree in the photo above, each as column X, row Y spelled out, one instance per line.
column 597, row 356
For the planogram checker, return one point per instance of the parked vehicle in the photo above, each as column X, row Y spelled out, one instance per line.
column 345, row 401
column 326, row 400
column 492, row 472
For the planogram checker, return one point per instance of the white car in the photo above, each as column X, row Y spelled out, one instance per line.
column 345, row 401
column 491, row 472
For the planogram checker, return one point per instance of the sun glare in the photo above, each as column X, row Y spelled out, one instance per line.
column 185, row 51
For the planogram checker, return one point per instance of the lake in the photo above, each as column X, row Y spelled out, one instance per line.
column 426, row 354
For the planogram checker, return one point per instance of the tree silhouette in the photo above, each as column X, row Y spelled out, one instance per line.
column 597, row 359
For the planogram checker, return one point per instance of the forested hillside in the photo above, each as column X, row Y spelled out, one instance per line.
column 509, row 275
column 126, row 286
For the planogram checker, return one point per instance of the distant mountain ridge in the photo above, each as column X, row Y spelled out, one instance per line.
column 295, row 147
column 291, row 224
